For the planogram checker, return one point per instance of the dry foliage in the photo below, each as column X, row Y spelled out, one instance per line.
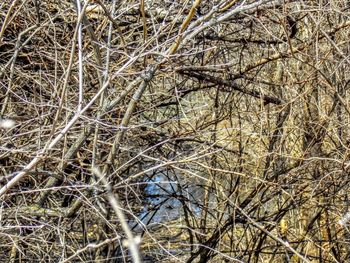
column 174, row 131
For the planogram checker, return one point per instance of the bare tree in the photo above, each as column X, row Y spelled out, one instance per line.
column 167, row 131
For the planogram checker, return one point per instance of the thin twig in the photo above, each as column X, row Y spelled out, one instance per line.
column 132, row 242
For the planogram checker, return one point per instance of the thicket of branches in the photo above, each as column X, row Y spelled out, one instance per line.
column 174, row 131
